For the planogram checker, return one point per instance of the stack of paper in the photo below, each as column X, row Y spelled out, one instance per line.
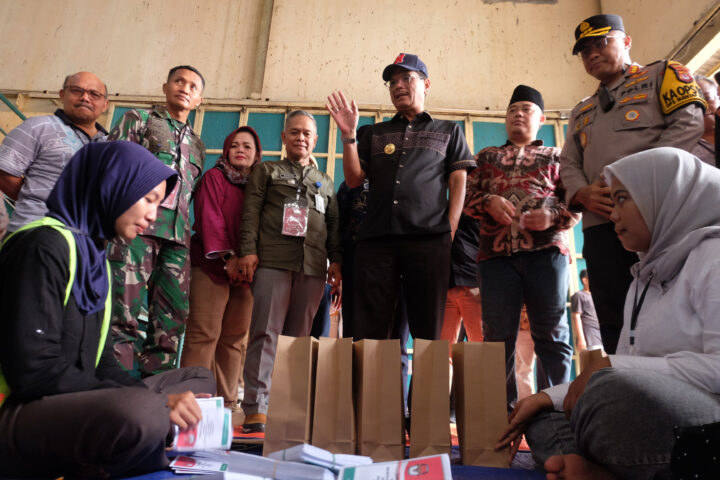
column 213, row 431
column 434, row 467
column 317, row 456
column 199, row 466
column 244, row 463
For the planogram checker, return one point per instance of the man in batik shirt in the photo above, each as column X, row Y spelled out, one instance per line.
column 515, row 192
column 158, row 259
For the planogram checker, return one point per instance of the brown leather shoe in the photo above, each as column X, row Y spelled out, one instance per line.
column 254, row 423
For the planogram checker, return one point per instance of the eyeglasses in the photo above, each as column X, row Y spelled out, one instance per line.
column 406, row 79
column 597, row 44
column 79, row 92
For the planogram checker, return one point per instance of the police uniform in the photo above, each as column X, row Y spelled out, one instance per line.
column 649, row 106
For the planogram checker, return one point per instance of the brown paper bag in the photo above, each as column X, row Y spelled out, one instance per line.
column 334, row 425
column 430, row 411
column 588, row 357
column 291, row 394
column 379, row 399
column 480, row 402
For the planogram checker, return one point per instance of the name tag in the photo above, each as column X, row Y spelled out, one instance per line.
column 319, row 203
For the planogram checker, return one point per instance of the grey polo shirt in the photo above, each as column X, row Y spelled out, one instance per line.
column 38, row 149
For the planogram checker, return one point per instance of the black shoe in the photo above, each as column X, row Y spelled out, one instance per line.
column 253, row 428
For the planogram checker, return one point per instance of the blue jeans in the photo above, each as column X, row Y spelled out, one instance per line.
column 624, row 421
column 540, row 281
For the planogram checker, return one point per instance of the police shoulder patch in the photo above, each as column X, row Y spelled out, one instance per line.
column 678, row 89
column 681, row 71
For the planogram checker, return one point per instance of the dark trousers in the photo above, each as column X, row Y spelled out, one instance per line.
column 111, row 431
column 421, row 264
column 321, row 320
column 540, row 281
column 608, row 266
column 348, row 288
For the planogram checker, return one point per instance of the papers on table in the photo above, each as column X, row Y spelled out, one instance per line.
column 244, row 463
column 317, row 456
column 213, row 431
column 244, row 466
column 434, row 467
column 199, row 466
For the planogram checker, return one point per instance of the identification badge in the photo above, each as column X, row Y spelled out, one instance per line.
column 291, row 178
column 319, row 203
column 295, row 217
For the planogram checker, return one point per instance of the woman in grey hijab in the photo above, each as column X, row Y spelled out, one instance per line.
column 616, row 419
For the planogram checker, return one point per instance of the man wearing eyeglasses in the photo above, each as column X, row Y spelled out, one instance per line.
column 36, row 151
column 159, row 258
column 417, row 166
column 634, row 108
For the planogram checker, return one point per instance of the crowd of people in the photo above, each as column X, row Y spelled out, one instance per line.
column 423, row 237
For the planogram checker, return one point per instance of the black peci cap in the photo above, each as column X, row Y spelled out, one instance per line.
column 596, row 26
column 523, row 93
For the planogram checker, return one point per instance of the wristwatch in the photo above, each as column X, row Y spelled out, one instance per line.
column 346, row 140
column 227, row 256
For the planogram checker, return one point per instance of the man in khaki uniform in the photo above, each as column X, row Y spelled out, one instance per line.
column 634, row 108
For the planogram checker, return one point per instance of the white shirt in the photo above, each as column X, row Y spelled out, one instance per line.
column 678, row 328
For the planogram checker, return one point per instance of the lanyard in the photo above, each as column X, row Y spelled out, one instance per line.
column 636, row 309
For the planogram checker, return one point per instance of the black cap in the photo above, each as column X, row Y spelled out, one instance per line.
column 523, row 93
column 596, row 26
column 408, row 61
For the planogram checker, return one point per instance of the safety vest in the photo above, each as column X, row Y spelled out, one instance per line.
column 67, row 234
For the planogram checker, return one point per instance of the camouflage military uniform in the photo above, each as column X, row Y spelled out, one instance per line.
column 158, row 259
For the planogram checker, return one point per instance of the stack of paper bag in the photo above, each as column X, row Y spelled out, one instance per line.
column 379, row 396
column 290, row 407
column 480, row 401
column 334, row 424
column 430, row 411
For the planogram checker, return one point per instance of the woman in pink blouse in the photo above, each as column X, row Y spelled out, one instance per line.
column 220, row 304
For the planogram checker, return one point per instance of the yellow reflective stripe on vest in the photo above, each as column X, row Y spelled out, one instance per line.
column 68, row 236
column 106, row 316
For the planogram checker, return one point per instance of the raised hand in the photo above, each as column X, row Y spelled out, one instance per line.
column 345, row 114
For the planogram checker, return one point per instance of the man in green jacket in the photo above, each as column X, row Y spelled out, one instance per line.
column 290, row 230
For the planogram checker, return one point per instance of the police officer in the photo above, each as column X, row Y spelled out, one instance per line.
column 634, row 108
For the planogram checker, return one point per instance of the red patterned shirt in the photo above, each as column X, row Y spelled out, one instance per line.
column 529, row 177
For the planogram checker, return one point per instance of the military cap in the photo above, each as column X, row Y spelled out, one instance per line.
column 596, row 26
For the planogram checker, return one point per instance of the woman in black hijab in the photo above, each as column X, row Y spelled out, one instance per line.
column 66, row 406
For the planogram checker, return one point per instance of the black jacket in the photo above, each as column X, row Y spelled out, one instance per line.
column 47, row 348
